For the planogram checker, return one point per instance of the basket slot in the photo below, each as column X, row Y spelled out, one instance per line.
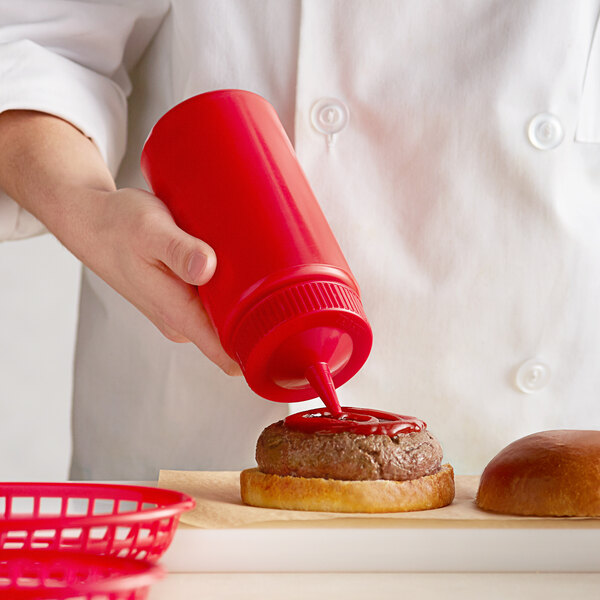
column 122, row 533
column 36, row 545
column 78, row 506
column 50, row 506
column 22, row 506
column 70, row 538
column 43, row 538
column 98, row 533
column 128, row 506
column 71, row 533
column 145, row 533
column 28, row 582
column 15, row 539
column 104, row 506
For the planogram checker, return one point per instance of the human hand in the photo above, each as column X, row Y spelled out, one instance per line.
column 133, row 244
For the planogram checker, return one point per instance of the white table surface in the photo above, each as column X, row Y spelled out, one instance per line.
column 351, row 586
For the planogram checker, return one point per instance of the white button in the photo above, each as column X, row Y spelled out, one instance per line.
column 532, row 376
column 329, row 116
column 545, row 131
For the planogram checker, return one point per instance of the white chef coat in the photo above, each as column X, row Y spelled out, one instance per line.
column 455, row 150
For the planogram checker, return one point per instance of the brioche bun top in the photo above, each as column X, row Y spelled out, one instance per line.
column 550, row 473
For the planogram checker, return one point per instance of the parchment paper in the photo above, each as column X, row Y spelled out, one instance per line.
column 218, row 506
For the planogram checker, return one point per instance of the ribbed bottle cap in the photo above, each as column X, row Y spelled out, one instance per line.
column 296, row 327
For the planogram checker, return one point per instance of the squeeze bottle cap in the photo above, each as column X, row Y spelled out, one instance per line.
column 296, row 327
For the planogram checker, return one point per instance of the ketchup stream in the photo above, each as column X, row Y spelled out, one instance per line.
column 337, row 419
column 319, row 376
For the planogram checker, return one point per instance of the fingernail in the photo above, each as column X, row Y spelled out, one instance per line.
column 196, row 265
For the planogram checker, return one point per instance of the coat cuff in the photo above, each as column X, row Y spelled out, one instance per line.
column 34, row 78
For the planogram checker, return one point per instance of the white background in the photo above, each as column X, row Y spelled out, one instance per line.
column 39, row 294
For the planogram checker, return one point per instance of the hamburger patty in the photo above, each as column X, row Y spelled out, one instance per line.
column 350, row 456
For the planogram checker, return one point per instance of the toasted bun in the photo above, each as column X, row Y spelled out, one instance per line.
column 335, row 495
column 551, row 473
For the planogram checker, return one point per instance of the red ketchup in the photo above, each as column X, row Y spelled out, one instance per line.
column 364, row 421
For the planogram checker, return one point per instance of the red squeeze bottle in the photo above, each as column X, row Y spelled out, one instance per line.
column 283, row 300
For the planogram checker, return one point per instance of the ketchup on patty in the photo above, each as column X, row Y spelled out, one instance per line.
column 365, row 421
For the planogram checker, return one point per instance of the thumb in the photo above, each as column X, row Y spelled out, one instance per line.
column 189, row 258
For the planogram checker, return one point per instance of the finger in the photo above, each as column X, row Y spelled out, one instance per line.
column 171, row 334
column 181, row 317
column 189, row 258
column 197, row 327
column 205, row 339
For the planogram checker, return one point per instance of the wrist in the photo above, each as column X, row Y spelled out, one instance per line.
column 46, row 163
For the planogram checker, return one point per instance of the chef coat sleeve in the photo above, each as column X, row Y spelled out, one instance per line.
column 70, row 58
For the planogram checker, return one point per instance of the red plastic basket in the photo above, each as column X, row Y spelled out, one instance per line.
column 51, row 575
column 116, row 520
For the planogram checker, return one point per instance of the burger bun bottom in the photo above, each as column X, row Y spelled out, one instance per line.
column 343, row 496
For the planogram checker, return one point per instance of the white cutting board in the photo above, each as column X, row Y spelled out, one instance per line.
column 429, row 541
column 386, row 550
